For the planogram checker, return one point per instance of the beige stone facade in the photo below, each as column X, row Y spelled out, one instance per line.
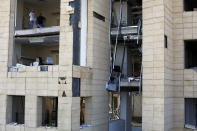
column 166, row 82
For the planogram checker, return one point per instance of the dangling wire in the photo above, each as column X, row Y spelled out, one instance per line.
column 122, row 64
column 118, row 31
column 139, row 30
column 110, row 24
column 140, row 83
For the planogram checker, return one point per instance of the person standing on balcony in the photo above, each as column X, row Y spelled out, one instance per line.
column 31, row 16
column 40, row 21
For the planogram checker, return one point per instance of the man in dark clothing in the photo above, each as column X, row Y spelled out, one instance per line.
column 40, row 21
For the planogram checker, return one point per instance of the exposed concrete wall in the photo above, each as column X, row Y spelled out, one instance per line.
column 19, row 14
column 17, row 53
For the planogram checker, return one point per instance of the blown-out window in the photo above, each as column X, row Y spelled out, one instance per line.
column 48, row 111
column 190, row 5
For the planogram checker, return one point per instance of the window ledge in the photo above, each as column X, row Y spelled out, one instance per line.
column 48, row 127
column 192, row 68
column 14, row 124
column 42, row 68
column 189, row 11
column 35, row 71
column 85, row 128
column 190, row 127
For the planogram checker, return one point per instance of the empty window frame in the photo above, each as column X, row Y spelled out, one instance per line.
column 131, row 12
column 84, row 104
column 74, row 21
column 82, row 112
column 190, row 113
column 190, row 54
column 190, row 5
column 15, row 109
column 49, row 111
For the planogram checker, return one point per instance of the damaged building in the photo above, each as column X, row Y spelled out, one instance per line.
column 98, row 65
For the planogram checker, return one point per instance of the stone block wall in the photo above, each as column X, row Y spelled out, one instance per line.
column 33, row 83
column 168, row 79
column 184, row 28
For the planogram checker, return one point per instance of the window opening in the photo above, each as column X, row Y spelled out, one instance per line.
column 75, row 19
column 84, row 101
column 114, row 106
column 15, row 110
column 82, row 113
column 76, row 85
column 49, row 111
column 190, row 113
column 191, row 54
column 36, row 41
column 190, row 5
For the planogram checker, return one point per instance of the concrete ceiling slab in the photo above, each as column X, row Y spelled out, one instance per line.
column 45, row 3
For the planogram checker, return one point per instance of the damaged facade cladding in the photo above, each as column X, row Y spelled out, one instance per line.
column 76, row 81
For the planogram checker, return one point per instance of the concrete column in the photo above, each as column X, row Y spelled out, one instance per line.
column 75, row 114
column 64, row 113
column 125, row 109
column 19, row 14
column 30, row 111
column 39, row 111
